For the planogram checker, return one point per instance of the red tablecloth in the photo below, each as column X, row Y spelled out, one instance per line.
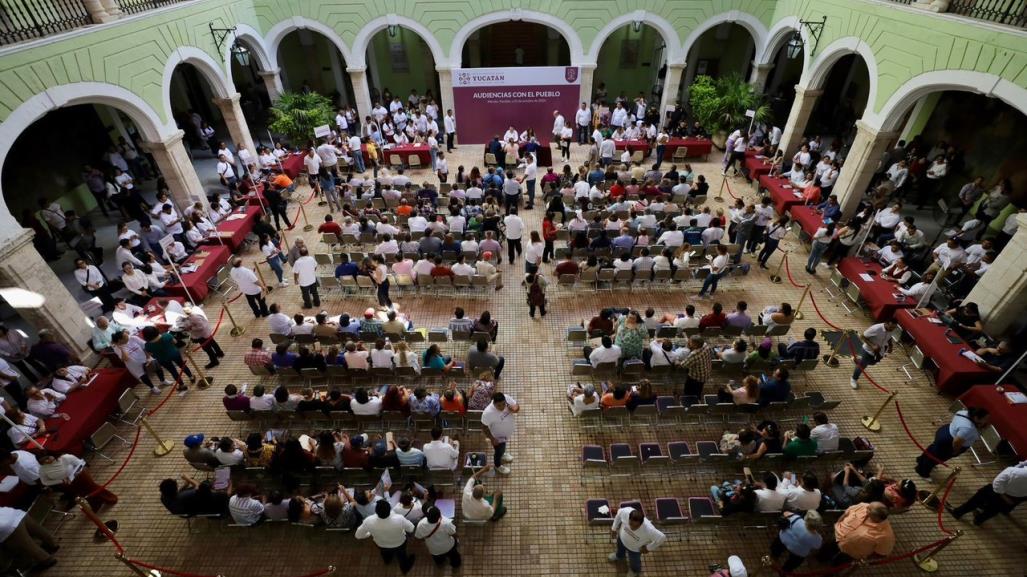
column 1008, row 418
column 196, row 282
column 807, row 218
column 292, row 165
column 405, row 151
column 757, row 167
column 696, row 147
column 783, row 197
column 543, row 156
column 88, row 409
column 955, row 372
column 155, row 311
column 633, row 146
column 236, row 230
column 877, row 293
column 256, row 198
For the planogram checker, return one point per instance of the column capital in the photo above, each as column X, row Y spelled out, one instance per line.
column 763, row 65
column 587, row 65
column 676, row 66
column 171, row 140
column 444, row 68
column 805, row 92
column 230, row 100
column 356, row 69
column 875, row 132
column 269, row 73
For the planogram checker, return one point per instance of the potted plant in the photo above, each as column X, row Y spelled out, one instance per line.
column 295, row 115
column 720, row 105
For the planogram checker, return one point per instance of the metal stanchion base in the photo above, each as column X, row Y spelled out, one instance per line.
column 204, row 382
column 928, row 499
column 798, row 314
column 163, row 448
column 323, row 203
column 308, row 228
column 718, row 198
column 926, row 564
column 871, row 424
column 236, row 331
column 777, row 280
column 831, row 361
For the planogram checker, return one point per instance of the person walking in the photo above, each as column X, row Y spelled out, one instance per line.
column 1002, row 495
column 799, row 536
column 273, row 257
column 389, row 531
column 821, row 240
column 535, row 285
column 439, row 535
column 953, row 439
column 772, row 239
column 717, row 268
column 877, row 342
column 277, row 204
column 201, row 333
column 163, row 350
column 380, row 276
column 499, row 423
column 636, row 536
column 304, row 273
column 249, row 284
column 513, row 229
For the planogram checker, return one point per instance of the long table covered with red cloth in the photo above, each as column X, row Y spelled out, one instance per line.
column 878, row 293
column 807, row 218
column 292, row 165
column 757, row 166
column 696, row 147
column 1008, row 418
column 784, row 198
column 633, row 146
column 543, row 156
column 955, row 372
column 234, row 232
column 88, row 409
column 210, row 259
column 405, row 152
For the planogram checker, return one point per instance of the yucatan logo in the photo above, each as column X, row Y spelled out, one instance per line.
column 465, row 78
column 570, row 73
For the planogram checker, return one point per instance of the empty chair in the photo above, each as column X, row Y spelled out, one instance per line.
column 104, row 435
column 709, row 452
column 621, row 458
column 679, row 452
column 652, row 455
column 702, row 509
column 668, row 511
column 593, row 460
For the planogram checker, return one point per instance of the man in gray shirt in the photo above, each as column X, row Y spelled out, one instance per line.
column 430, row 245
column 511, row 191
column 480, row 357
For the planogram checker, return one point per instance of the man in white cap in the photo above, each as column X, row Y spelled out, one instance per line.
column 735, row 568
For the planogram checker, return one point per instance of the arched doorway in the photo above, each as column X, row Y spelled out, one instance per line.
column 245, row 71
column 310, row 61
column 631, row 64
column 401, row 64
column 724, row 50
column 515, row 43
column 786, row 63
column 846, row 91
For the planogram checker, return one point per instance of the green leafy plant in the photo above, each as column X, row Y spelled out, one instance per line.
column 295, row 116
column 720, row 104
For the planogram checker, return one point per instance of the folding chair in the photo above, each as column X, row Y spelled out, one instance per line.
column 102, row 436
column 592, row 514
column 702, row 510
column 916, row 359
column 593, row 459
column 126, row 404
column 622, row 462
column 670, row 412
column 576, row 337
column 652, row 457
column 668, row 511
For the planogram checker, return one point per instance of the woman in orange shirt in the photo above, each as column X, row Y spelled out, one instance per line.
column 811, row 194
column 549, row 236
column 452, row 400
column 615, row 397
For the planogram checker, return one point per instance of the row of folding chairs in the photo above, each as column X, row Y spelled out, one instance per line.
column 699, row 251
column 634, row 370
column 335, row 256
column 468, row 285
column 672, row 411
column 450, row 423
column 578, row 336
column 669, row 511
column 437, row 335
column 611, row 279
column 337, row 374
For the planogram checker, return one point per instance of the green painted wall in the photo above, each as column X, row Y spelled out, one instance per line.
column 636, row 78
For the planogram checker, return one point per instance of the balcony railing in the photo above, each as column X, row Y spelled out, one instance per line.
column 22, row 20
column 1009, row 12
column 137, row 6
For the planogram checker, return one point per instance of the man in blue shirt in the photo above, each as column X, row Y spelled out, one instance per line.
column 624, row 242
column 596, row 176
column 776, row 388
column 806, row 349
column 830, row 208
column 346, row 268
column 953, row 439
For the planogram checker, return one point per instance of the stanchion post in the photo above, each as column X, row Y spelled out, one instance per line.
column 163, row 446
column 204, row 380
column 131, row 566
column 831, row 360
column 798, row 312
column 930, row 499
column 285, row 241
column 236, row 329
column 776, row 277
column 91, row 515
column 307, row 227
column 928, row 563
column 720, row 192
column 260, row 275
column 871, row 423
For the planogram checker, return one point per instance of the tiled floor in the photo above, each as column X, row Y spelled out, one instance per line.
column 545, row 532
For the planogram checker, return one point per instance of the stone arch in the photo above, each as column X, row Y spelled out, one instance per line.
column 363, row 39
column 568, row 32
column 816, row 73
column 220, row 84
column 255, row 42
column 274, row 37
column 743, row 19
column 891, row 113
column 149, row 122
column 664, row 28
column 783, row 30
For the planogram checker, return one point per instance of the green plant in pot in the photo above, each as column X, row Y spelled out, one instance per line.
column 295, row 116
column 720, row 105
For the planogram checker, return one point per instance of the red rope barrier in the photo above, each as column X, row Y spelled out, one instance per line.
column 874, row 383
column 103, row 529
column 885, row 561
column 132, row 451
column 728, row 185
column 167, row 397
column 941, row 506
column 788, row 270
column 902, row 419
column 145, row 565
column 813, row 301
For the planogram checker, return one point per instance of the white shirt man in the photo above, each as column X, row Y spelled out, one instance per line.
column 663, row 357
column 441, row 454
column 514, row 226
column 601, row 355
column 464, row 269
column 880, row 336
column 474, row 509
column 245, row 510
column 329, row 155
column 775, row 135
column 687, row 322
column 305, row 271
column 502, row 424
column 949, row 256
column 450, row 123
column 671, row 238
column 826, row 436
column 583, row 116
column 438, row 537
column 897, row 174
column 769, row 500
column 385, row 247
column 26, row 467
column 46, row 407
column 607, row 149
column 888, row 218
column 579, row 404
column 558, row 124
column 619, row 117
column 645, row 537
column 280, row 324
column 829, row 177
column 712, row 235
column 796, row 497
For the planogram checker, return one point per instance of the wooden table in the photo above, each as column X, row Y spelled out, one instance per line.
column 781, row 191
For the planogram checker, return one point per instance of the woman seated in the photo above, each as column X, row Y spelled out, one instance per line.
column 768, row 440
column 258, row 453
column 485, row 324
column 192, row 498
column 641, row 395
column 850, row 486
column 747, row 394
column 329, row 449
column 736, row 354
column 481, row 392
column 337, row 510
column 433, row 359
column 734, row 497
column 364, row 403
column 397, row 399
column 966, row 320
column 763, row 357
column 293, row 459
column 773, row 316
column 452, row 400
column 67, row 379
column 615, row 397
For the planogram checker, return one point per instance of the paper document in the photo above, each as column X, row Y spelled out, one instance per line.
column 1016, row 398
column 236, row 216
column 972, row 356
column 866, row 277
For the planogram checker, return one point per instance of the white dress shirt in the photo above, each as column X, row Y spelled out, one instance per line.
column 646, row 535
column 604, row 355
column 10, row 518
column 502, row 424
column 280, row 324
column 438, row 537
column 246, row 280
column 441, row 455
column 305, row 270
column 826, row 436
column 387, row 533
column 1012, row 481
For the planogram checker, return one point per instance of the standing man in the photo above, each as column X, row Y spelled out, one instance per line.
column 530, row 177
column 558, row 124
column 304, row 272
column 18, row 535
column 511, row 192
column 582, row 119
column 513, row 227
column 1002, row 495
column 635, row 535
column 439, row 534
column 356, row 152
column 201, row 333
column 449, row 123
column 661, row 146
column 499, row 424
column 389, row 532
column 953, row 439
column 877, row 342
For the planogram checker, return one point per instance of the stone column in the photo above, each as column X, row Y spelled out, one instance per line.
column 802, row 107
column 177, row 169
column 238, row 129
column 358, row 76
column 22, row 267
column 272, row 82
column 1001, row 293
column 97, row 13
column 587, row 73
column 112, row 8
column 446, row 94
column 864, row 155
column 760, row 72
column 671, row 89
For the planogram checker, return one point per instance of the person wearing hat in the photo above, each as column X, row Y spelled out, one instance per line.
column 69, row 474
column 735, row 568
column 196, row 453
column 485, row 268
